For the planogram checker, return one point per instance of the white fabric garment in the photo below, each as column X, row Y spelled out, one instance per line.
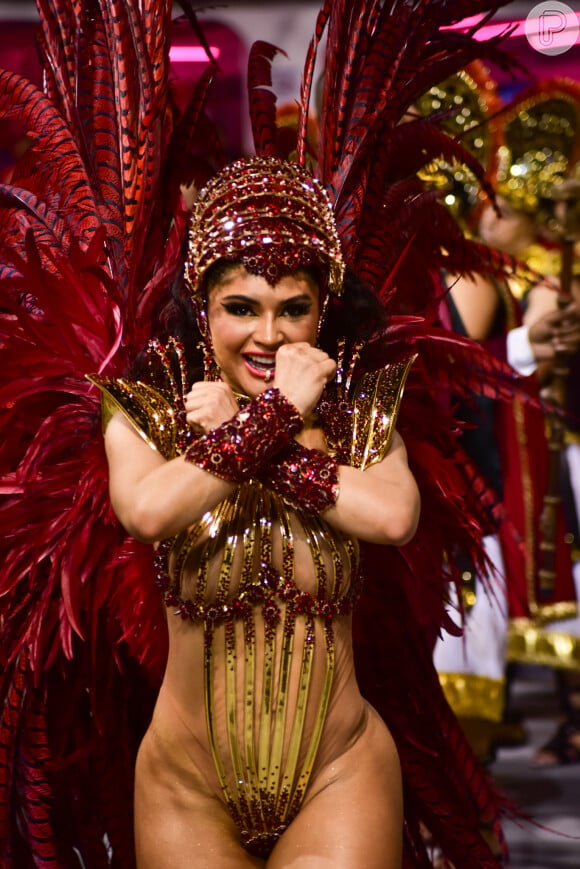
column 519, row 351
column 481, row 651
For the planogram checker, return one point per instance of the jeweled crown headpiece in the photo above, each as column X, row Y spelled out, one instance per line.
column 269, row 214
column 469, row 101
column 542, row 145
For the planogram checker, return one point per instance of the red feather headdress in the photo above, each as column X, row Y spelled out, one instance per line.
column 91, row 236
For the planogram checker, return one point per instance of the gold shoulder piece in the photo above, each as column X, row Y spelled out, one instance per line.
column 376, row 407
column 148, row 410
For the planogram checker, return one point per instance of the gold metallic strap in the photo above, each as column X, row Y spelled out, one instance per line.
column 299, row 720
column 270, row 763
column 231, row 695
column 278, row 784
column 336, row 554
column 211, row 718
column 149, row 411
column 249, row 688
column 319, row 720
column 376, row 407
column 233, row 512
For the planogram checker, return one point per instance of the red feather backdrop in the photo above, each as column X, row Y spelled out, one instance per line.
column 90, row 237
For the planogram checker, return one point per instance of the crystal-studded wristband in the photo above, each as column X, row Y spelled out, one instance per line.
column 237, row 449
column 306, row 479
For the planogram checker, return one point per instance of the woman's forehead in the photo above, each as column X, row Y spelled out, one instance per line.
column 239, row 280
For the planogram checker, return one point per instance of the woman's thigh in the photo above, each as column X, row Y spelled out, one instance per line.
column 354, row 815
column 182, row 824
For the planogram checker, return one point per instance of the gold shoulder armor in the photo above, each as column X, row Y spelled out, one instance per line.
column 376, row 407
column 149, row 411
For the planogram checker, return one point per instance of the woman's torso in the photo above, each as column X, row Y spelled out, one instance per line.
column 259, row 696
column 260, row 669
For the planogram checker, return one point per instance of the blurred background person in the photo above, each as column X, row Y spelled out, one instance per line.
column 505, row 443
column 539, row 156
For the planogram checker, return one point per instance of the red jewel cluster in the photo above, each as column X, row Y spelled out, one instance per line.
column 273, row 263
column 336, row 416
column 305, row 479
column 235, row 450
column 185, row 435
column 268, row 587
column 167, row 367
column 261, row 844
column 268, row 213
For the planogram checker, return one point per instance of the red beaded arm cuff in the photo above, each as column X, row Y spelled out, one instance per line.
column 237, row 449
column 306, row 479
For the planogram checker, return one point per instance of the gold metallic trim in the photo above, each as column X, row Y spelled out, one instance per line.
column 239, row 771
column 265, row 725
column 149, row 412
column 281, row 709
column 376, row 407
column 278, row 784
column 564, row 609
column 211, row 721
column 249, row 681
column 533, row 645
column 474, row 696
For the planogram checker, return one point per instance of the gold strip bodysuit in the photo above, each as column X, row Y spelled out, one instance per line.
column 233, row 576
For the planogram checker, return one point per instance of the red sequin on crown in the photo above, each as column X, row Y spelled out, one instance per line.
column 269, row 214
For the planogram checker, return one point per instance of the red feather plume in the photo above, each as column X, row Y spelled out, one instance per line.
column 90, row 239
column 262, row 98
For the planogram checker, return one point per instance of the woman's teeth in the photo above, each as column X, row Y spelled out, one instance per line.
column 264, row 364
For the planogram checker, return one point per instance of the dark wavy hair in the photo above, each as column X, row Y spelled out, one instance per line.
column 355, row 315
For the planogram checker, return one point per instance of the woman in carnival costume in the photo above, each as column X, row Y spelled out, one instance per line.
column 269, row 481
column 259, row 517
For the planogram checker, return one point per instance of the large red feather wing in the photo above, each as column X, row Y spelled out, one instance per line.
column 90, row 234
column 379, row 59
column 72, row 597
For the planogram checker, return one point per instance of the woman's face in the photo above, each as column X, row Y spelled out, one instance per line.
column 512, row 232
column 249, row 320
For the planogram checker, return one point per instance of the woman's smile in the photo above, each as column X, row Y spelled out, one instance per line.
column 261, row 364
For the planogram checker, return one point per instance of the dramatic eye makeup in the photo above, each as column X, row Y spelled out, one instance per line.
column 297, row 308
column 238, row 308
column 246, row 307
